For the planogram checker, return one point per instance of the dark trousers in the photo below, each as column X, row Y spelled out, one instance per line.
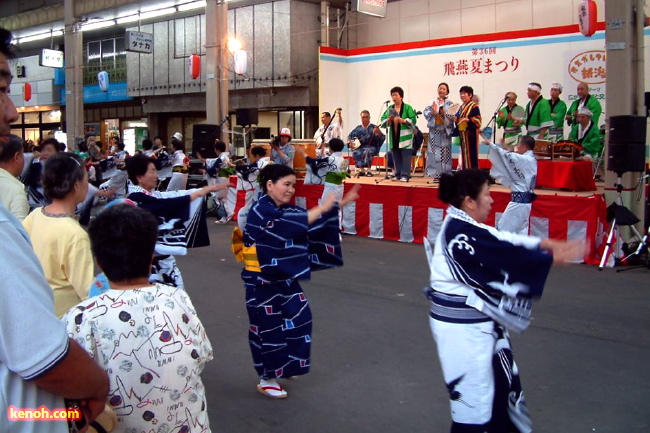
column 402, row 160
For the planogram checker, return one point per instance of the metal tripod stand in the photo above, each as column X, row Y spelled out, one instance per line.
column 622, row 217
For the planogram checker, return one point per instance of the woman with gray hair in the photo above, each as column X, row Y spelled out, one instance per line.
column 60, row 243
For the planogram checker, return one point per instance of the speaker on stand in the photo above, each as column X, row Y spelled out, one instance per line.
column 203, row 138
column 245, row 118
column 625, row 153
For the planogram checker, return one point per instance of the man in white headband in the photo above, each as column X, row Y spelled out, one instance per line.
column 558, row 111
column 584, row 100
column 587, row 134
column 538, row 113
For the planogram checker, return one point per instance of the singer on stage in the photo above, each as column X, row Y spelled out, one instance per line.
column 441, row 126
column 468, row 123
column 401, row 118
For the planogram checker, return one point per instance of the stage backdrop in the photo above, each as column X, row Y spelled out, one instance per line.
column 492, row 64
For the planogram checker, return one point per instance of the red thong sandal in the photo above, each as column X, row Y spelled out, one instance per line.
column 272, row 391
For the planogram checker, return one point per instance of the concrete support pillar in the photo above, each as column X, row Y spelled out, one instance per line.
column 324, row 24
column 216, row 37
column 624, row 21
column 74, row 104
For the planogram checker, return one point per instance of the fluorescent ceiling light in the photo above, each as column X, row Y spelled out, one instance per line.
column 157, row 7
column 193, row 5
column 146, row 15
column 97, row 25
column 129, row 19
column 38, row 37
column 157, row 13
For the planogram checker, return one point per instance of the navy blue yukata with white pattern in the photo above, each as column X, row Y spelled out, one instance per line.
column 288, row 249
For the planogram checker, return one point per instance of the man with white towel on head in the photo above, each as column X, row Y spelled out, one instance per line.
column 538, row 113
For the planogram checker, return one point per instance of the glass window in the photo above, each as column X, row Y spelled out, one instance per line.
column 293, row 120
column 53, row 116
column 32, row 134
column 32, row 117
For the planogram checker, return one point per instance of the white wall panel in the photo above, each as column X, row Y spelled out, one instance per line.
column 478, row 20
column 414, row 28
column 444, row 24
column 465, row 4
column 443, row 6
column 549, row 13
column 514, row 15
column 413, row 8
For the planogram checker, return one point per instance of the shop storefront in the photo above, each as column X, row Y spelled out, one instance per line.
column 37, row 122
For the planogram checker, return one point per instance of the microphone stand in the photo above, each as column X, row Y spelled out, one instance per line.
column 387, row 141
column 493, row 120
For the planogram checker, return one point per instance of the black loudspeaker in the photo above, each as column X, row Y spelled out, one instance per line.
column 626, row 143
column 203, row 137
column 246, row 116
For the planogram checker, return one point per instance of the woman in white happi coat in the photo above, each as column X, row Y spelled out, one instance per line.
column 441, row 125
column 516, row 170
column 481, row 286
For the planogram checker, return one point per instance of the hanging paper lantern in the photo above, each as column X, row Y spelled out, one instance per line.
column 27, row 91
column 587, row 17
column 195, row 66
column 103, row 80
column 240, row 62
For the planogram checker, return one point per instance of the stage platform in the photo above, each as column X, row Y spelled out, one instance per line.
column 410, row 212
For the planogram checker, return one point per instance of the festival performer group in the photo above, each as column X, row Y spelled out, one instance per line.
column 482, row 279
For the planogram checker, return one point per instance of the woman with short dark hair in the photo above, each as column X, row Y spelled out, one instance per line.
column 481, row 286
column 61, row 244
column 282, row 244
column 468, row 124
column 400, row 118
column 179, row 213
column 441, row 125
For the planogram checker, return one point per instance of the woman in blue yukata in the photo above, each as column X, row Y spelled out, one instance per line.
column 481, row 287
column 280, row 245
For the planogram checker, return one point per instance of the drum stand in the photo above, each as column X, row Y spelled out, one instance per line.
column 622, row 217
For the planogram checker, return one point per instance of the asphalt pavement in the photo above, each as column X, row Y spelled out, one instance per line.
column 584, row 361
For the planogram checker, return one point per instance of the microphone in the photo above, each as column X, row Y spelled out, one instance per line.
column 417, row 113
column 387, row 102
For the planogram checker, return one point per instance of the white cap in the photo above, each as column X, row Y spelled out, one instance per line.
column 286, row 132
column 178, row 136
column 585, row 111
column 557, row 86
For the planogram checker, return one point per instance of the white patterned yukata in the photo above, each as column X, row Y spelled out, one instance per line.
column 153, row 346
column 481, row 286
